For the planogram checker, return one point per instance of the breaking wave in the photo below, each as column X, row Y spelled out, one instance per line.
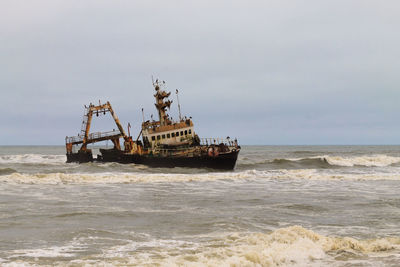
column 303, row 162
column 290, row 246
column 141, row 177
column 325, row 161
column 286, row 246
column 33, row 158
column 368, row 161
column 7, row 171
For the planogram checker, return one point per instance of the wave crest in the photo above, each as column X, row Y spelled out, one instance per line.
column 368, row 161
column 324, row 161
column 137, row 177
column 313, row 162
column 33, row 158
column 87, row 178
column 7, row 171
column 293, row 245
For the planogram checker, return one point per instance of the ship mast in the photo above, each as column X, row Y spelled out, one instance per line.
column 160, row 104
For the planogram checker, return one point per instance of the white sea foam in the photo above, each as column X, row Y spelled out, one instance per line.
column 294, row 246
column 33, row 158
column 367, row 161
column 52, row 252
column 290, row 246
column 314, row 174
column 110, row 178
column 67, row 251
column 57, row 178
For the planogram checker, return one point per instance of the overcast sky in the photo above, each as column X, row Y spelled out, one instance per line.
column 266, row 72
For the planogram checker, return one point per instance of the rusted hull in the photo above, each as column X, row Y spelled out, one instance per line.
column 221, row 162
column 225, row 161
column 81, row 157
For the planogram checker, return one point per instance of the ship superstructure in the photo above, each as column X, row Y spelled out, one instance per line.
column 165, row 131
column 165, row 143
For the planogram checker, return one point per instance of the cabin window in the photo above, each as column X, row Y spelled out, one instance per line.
column 153, row 138
column 173, row 134
column 190, row 131
column 158, row 137
column 163, row 136
column 177, row 134
column 185, row 132
column 168, row 135
column 181, row 133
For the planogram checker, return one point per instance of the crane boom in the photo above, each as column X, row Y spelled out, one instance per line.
column 87, row 137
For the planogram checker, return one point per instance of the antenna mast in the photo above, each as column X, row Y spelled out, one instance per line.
column 160, row 104
column 179, row 105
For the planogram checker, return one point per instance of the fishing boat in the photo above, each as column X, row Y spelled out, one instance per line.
column 161, row 143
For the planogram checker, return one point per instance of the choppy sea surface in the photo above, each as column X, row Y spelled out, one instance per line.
column 281, row 206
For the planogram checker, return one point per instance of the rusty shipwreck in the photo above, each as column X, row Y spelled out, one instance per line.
column 163, row 143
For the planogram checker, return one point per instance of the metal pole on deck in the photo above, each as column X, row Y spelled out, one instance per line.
column 179, row 105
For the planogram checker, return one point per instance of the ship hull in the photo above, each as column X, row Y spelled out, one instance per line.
column 224, row 161
column 81, row 157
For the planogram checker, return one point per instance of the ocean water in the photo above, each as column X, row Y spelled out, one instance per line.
column 281, row 206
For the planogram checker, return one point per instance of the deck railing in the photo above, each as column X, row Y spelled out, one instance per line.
column 96, row 135
column 217, row 141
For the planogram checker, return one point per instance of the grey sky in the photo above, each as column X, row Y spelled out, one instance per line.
column 267, row 72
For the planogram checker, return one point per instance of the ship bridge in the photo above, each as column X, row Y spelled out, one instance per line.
column 165, row 131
